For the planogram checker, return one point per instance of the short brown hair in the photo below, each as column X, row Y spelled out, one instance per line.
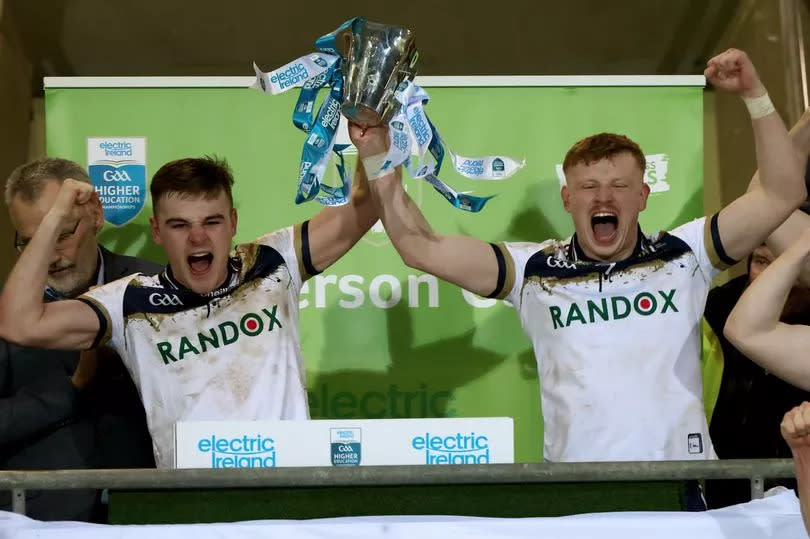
column 193, row 176
column 28, row 180
column 603, row 146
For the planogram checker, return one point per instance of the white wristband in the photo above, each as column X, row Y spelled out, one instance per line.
column 759, row 107
column 373, row 165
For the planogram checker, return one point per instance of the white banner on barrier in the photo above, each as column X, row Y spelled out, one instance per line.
column 777, row 516
column 263, row 444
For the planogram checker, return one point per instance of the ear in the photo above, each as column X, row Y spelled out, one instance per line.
column 645, row 193
column 155, row 228
column 234, row 219
column 566, row 197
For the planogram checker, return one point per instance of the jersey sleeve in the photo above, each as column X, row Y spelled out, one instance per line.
column 292, row 243
column 703, row 238
column 108, row 303
column 512, row 258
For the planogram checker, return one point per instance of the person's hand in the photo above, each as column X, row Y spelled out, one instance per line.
column 795, row 427
column 732, row 70
column 71, row 200
column 85, row 370
column 369, row 141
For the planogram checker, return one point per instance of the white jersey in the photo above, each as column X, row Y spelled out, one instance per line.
column 230, row 354
column 618, row 344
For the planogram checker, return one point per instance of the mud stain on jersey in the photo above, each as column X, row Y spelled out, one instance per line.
column 238, row 380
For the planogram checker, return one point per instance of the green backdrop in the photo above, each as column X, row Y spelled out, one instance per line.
column 379, row 339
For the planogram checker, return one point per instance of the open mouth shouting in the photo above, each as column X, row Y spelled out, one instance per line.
column 200, row 262
column 605, row 226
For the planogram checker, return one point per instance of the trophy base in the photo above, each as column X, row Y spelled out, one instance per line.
column 361, row 115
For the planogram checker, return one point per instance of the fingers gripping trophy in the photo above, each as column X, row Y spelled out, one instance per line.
column 369, row 69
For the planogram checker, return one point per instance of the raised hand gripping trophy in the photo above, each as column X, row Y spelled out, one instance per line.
column 370, row 68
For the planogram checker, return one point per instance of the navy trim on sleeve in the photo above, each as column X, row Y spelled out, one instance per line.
column 102, row 321
column 718, row 244
column 501, row 271
column 305, row 254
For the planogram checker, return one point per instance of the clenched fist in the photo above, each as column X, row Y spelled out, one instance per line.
column 369, row 140
column 732, row 70
column 72, row 199
column 796, row 427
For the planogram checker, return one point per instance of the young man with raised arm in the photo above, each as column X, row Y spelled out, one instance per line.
column 613, row 314
column 213, row 337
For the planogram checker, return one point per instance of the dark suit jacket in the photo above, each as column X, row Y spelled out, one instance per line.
column 45, row 423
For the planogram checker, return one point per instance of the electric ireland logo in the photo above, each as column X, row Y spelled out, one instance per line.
column 240, row 451
column 458, row 448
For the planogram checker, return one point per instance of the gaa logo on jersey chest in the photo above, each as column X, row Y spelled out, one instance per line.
column 164, row 300
column 613, row 308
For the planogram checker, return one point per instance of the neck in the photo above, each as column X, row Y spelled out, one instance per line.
column 223, row 280
column 633, row 244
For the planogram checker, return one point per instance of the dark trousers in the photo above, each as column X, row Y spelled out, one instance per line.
column 692, row 496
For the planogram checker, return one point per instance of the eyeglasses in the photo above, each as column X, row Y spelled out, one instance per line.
column 62, row 241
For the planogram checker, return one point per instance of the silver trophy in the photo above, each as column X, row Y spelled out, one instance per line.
column 377, row 58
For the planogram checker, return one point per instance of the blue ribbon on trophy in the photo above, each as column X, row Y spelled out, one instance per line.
column 371, row 83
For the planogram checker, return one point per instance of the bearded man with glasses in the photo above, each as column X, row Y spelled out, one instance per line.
column 66, row 409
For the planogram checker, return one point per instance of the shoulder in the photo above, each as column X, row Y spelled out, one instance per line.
column 283, row 237
column 696, row 226
column 525, row 250
column 669, row 244
column 259, row 259
column 537, row 259
column 114, row 293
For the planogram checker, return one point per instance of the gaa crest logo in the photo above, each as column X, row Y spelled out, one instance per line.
column 117, row 169
column 345, row 446
column 498, row 167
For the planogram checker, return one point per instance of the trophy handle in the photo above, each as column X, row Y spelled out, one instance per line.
column 410, row 70
column 345, row 40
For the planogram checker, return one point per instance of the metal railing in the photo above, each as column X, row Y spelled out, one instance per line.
column 756, row 471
